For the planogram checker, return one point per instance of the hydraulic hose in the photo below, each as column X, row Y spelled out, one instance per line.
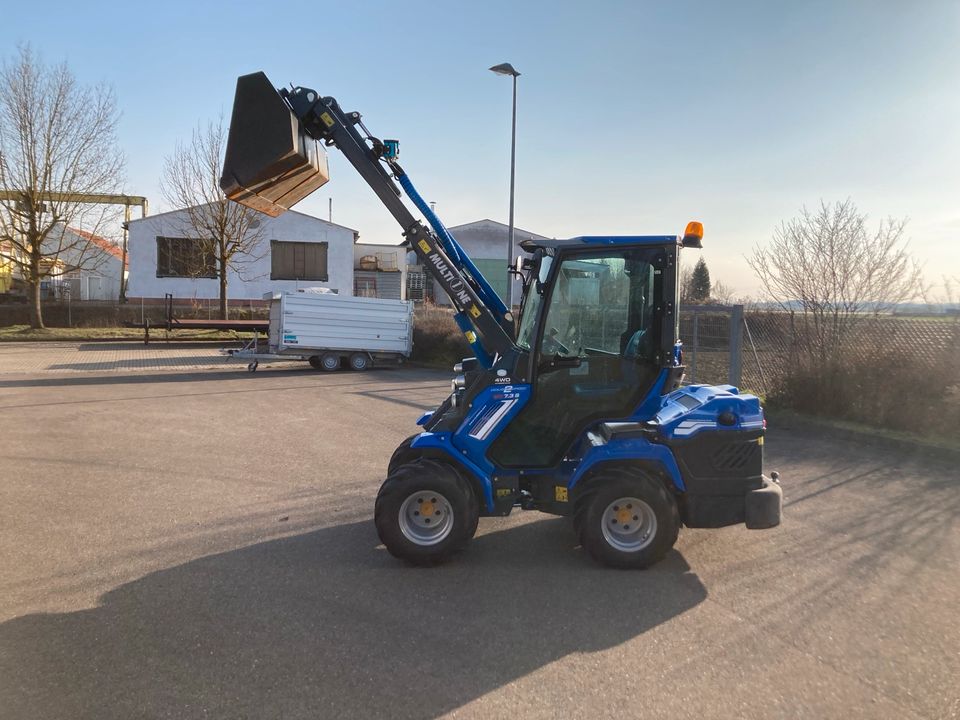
column 488, row 294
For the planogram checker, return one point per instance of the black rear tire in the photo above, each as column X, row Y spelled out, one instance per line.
column 628, row 502
column 446, row 492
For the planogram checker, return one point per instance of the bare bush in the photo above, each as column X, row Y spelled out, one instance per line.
column 721, row 294
column 835, row 271
column 436, row 338
column 834, row 274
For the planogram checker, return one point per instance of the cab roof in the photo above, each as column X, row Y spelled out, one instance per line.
column 587, row 241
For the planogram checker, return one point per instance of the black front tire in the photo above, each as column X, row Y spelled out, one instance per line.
column 403, row 454
column 615, row 496
column 448, row 493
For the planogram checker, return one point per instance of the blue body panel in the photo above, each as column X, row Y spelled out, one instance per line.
column 694, row 409
column 492, row 410
column 629, row 450
column 442, row 441
column 680, row 415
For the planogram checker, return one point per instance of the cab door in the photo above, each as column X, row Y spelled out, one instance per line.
column 596, row 351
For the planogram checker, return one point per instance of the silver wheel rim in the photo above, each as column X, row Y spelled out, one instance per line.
column 426, row 518
column 629, row 524
column 330, row 362
column 359, row 362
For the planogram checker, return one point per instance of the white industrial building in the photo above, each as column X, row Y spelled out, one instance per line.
column 296, row 251
column 293, row 251
column 93, row 266
column 78, row 264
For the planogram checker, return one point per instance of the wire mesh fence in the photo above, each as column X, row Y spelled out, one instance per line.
column 709, row 336
column 758, row 350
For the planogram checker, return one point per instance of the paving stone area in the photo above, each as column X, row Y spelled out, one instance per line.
column 44, row 357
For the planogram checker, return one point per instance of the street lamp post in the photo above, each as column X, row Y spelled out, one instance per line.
column 507, row 69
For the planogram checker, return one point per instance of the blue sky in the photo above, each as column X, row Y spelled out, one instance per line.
column 634, row 117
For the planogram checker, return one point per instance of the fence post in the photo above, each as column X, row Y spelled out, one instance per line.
column 736, row 344
column 696, row 344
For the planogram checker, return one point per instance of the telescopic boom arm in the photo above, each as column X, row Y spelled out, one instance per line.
column 272, row 162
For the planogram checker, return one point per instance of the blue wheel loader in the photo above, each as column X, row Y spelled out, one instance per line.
column 575, row 407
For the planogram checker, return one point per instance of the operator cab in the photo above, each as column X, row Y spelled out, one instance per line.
column 593, row 322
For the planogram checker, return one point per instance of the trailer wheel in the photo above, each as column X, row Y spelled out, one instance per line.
column 359, row 361
column 327, row 361
column 252, row 367
column 426, row 512
column 626, row 519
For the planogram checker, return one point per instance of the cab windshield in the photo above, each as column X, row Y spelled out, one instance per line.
column 603, row 305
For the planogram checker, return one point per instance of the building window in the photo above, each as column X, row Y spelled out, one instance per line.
column 298, row 261
column 365, row 286
column 185, row 257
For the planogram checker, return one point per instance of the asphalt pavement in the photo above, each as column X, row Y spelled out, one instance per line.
column 200, row 544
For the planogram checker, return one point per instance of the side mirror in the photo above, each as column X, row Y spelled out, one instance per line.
column 543, row 269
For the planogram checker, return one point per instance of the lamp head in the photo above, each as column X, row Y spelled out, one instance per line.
column 505, row 69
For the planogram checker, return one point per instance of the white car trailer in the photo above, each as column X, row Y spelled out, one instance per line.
column 330, row 331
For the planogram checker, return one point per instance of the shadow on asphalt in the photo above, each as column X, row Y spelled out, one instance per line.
column 883, row 510
column 327, row 624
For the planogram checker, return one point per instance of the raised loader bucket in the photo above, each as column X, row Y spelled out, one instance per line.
column 270, row 163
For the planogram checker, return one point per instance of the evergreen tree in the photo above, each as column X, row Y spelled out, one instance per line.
column 700, row 282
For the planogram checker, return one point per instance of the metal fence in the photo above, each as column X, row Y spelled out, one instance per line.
column 756, row 349
column 712, row 338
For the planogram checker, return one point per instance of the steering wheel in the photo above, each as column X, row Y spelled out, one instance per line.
column 552, row 346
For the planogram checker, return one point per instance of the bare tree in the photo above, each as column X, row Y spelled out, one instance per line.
column 721, row 294
column 828, row 265
column 686, row 283
column 226, row 232
column 57, row 143
column 947, row 293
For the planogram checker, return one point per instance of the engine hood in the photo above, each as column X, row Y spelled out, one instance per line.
column 698, row 408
